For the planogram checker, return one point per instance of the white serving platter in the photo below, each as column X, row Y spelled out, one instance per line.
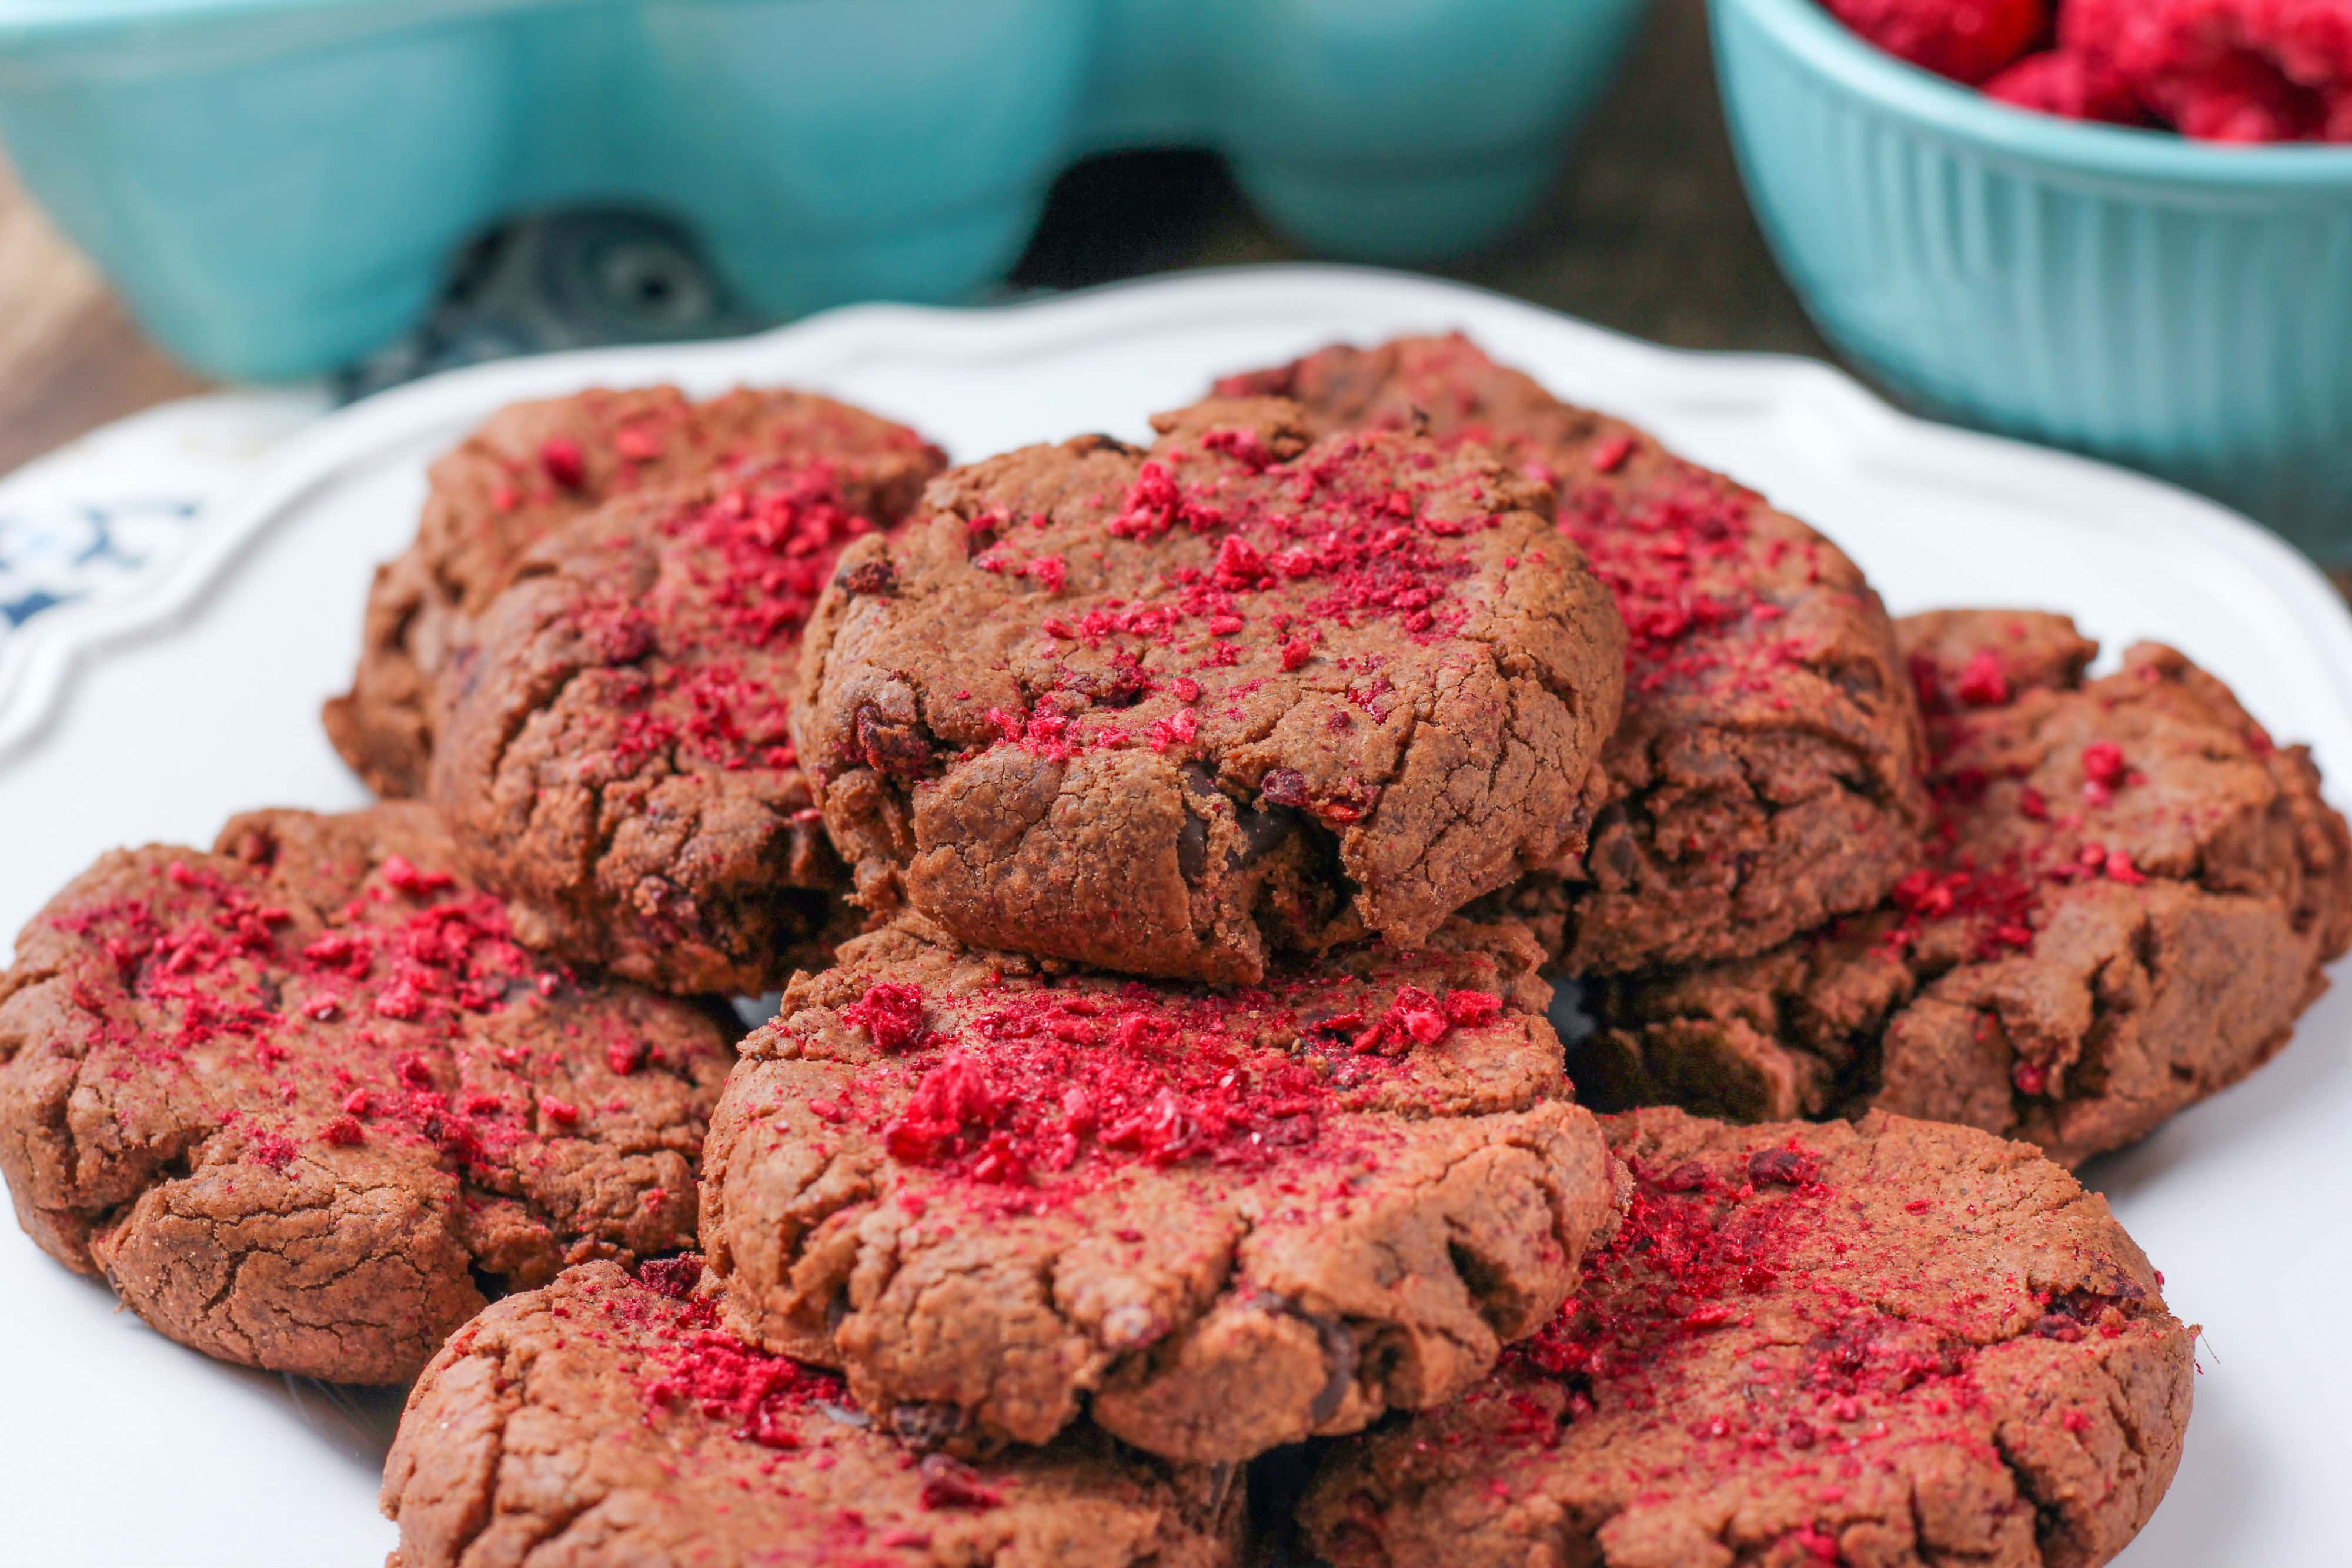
column 155, row 714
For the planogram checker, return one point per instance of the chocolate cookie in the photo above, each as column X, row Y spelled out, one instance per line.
column 295, row 1097
column 605, row 1423
column 1002, row 1198
column 1160, row 712
column 614, row 756
column 536, row 464
column 1764, row 776
column 2129, row 894
column 1895, row 1343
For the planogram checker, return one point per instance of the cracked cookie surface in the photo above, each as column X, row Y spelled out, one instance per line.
column 535, row 465
column 1003, row 1198
column 2128, row 896
column 1897, row 1344
column 1764, row 776
column 1163, row 712
column 604, row 1422
column 613, row 754
column 293, row 1098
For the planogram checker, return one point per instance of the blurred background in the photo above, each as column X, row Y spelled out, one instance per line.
column 1647, row 233
column 283, row 185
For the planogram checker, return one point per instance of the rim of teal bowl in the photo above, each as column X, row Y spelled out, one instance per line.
column 1805, row 29
column 48, row 30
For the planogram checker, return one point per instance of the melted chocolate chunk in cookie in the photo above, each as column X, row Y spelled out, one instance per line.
column 1163, row 711
column 536, row 465
column 2128, row 896
column 301, row 1099
column 1764, row 778
column 1895, row 1343
column 1001, row 1198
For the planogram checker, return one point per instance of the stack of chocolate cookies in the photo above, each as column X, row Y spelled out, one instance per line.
column 1161, row 1151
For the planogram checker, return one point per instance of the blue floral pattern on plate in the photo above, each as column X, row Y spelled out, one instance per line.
column 57, row 555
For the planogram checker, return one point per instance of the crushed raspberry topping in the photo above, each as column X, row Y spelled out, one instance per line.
column 360, row 1033
column 1701, row 569
column 620, row 435
column 1355, row 532
column 1054, row 1083
column 2000, row 906
column 638, row 443
column 891, row 1013
column 1036, row 1085
column 685, row 1364
column 685, row 1370
column 1981, row 683
column 1684, row 1319
column 1681, row 556
column 1360, row 541
column 560, row 457
column 949, row 1482
column 760, row 1395
column 769, row 547
column 1680, row 549
column 672, row 1277
column 1417, row 1018
column 743, row 571
column 2000, row 848
column 402, row 877
column 1609, row 454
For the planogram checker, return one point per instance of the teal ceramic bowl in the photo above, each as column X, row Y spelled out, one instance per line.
column 275, row 185
column 2182, row 307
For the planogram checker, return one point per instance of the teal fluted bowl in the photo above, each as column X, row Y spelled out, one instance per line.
column 2179, row 306
column 276, row 185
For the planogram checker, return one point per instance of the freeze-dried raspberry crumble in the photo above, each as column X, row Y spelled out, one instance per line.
column 613, row 1418
column 1215, row 1220
column 299, row 1097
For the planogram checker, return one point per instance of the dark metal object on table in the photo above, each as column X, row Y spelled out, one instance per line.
column 1647, row 233
column 563, row 281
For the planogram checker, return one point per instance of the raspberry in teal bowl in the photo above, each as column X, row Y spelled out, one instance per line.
column 2177, row 306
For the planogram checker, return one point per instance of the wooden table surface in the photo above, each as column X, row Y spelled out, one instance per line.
column 71, row 359
column 1647, row 233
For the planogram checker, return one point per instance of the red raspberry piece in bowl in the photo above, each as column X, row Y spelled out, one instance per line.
column 2311, row 39
column 1966, row 40
column 2227, row 70
column 2074, row 84
column 2241, row 97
